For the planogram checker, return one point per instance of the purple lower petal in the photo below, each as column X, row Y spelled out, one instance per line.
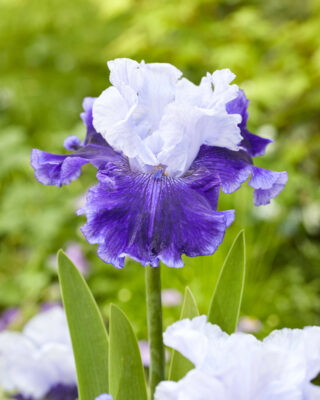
column 63, row 392
column 253, row 144
column 21, row 397
column 151, row 217
column 57, row 392
column 267, row 184
column 55, row 169
column 234, row 167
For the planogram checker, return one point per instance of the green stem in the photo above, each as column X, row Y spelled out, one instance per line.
column 154, row 316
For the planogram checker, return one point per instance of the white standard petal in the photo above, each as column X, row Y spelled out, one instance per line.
column 154, row 117
column 128, row 113
column 58, row 360
column 48, row 327
column 312, row 392
column 184, row 128
column 104, row 396
column 19, row 369
column 180, row 145
column 155, row 89
column 302, row 349
column 278, row 368
column 193, row 338
column 122, row 72
column 110, row 109
column 113, row 118
column 214, row 91
column 196, row 385
column 40, row 357
column 198, row 116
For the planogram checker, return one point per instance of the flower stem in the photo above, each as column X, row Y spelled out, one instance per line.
column 154, row 316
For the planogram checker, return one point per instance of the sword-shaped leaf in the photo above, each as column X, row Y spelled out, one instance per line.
column 179, row 365
column 225, row 305
column 88, row 334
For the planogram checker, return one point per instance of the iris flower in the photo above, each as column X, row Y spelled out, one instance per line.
column 39, row 362
column 163, row 148
column 239, row 366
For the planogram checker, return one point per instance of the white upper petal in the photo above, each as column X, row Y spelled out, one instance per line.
column 48, row 327
column 196, row 385
column 189, row 338
column 279, row 368
column 39, row 358
column 122, row 71
column 197, row 117
column 303, row 346
column 104, row 397
column 185, row 128
column 153, row 117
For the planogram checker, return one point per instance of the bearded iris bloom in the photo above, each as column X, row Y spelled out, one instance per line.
column 239, row 366
column 164, row 148
column 39, row 362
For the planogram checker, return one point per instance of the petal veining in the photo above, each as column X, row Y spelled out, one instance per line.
column 152, row 217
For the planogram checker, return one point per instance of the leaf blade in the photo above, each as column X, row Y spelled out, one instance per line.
column 225, row 304
column 88, row 334
column 180, row 365
column 126, row 372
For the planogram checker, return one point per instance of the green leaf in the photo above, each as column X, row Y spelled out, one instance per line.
column 226, row 301
column 179, row 365
column 126, row 373
column 88, row 334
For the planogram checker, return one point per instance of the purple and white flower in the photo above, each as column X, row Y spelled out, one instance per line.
column 239, row 366
column 171, row 297
column 8, row 317
column 104, row 397
column 164, row 148
column 39, row 362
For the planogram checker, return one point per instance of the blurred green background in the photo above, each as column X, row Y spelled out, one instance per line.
column 53, row 53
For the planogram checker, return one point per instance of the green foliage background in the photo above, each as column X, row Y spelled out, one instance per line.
column 53, row 53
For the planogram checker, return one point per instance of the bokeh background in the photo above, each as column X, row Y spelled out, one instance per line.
column 53, row 54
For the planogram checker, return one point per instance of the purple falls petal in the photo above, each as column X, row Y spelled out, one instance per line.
column 63, row 392
column 234, row 167
column 55, row 169
column 57, row 392
column 267, row 184
column 253, row 144
column 58, row 169
column 151, row 217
